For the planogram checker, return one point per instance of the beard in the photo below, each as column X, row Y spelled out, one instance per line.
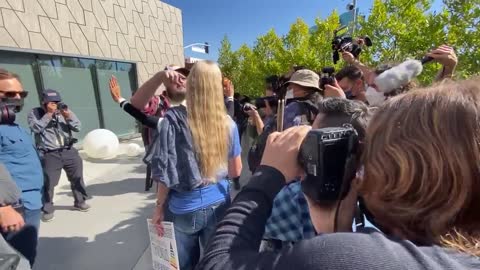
column 176, row 95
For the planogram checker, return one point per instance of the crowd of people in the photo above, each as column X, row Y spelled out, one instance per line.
column 414, row 168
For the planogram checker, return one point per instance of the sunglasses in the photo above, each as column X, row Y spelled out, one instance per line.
column 13, row 94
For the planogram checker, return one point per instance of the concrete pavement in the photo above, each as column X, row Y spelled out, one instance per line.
column 113, row 234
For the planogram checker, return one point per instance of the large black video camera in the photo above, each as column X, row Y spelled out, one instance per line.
column 278, row 85
column 329, row 157
column 343, row 43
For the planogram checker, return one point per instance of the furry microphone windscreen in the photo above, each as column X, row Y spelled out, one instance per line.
column 398, row 76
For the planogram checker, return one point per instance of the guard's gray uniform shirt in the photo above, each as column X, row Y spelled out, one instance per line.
column 54, row 132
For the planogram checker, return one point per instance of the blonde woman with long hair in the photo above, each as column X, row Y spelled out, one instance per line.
column 199, row 149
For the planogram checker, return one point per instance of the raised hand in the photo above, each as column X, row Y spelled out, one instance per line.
column 115, row 90
column 446, row 56
column 334, row 91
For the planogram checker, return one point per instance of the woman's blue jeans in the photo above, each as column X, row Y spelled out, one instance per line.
column 193, row 231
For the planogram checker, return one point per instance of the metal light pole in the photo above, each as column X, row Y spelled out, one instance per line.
column 352, row 9
column 354, row 17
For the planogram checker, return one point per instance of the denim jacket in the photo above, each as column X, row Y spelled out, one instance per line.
column 175, row 159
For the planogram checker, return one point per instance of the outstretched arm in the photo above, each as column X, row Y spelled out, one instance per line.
column 115, row 91
column 446, row 56
column 148, row 89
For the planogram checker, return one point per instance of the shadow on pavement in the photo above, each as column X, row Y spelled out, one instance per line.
column 130, row 185
column 118, row 246
column 117, row 249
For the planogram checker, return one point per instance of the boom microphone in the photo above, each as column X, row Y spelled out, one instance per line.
column 398, row 76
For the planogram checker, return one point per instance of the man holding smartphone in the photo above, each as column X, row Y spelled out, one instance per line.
column 53, row 125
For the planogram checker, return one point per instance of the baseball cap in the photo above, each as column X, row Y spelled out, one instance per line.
column 50, row 95
column 181, row 70
column 305, row 77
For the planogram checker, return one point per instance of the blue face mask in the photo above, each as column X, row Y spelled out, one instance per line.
column 349, row 94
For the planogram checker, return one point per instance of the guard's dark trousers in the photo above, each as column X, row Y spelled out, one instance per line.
column 72, row 163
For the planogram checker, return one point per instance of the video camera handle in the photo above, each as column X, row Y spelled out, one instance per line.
column 281, row 107
column 426, row 60
column 280, row 114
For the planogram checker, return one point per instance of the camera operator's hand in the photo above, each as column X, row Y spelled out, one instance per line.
column 446, row 56
column 51, row 108
column 252, row 113
column 10, row 219
column 65, row 113
column 115, row 90
column 349, row 58
column 334, row 90
column 281, row 151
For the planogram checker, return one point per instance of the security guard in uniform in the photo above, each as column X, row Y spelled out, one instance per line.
column 53, row 125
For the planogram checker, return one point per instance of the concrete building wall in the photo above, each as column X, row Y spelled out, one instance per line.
column 148, row 32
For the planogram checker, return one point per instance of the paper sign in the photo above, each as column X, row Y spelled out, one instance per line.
column 164, row 249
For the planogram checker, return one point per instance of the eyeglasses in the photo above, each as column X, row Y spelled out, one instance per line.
column 13, row 94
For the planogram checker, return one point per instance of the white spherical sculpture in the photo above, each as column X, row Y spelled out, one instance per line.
column 133, row 150
column 101, row 144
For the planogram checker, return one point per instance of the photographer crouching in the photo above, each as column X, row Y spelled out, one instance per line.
column 53, row 125
column 420, row 186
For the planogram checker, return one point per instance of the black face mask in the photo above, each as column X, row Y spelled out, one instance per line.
column 13, row 103
column 8, row 108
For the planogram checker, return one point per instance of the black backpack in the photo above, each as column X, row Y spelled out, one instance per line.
column 255, row 154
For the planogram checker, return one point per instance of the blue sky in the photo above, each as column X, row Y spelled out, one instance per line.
column 244, row 20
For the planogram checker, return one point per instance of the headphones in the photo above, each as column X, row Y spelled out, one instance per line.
column 7, row 114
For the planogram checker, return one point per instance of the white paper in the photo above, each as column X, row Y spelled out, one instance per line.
column 164, row 249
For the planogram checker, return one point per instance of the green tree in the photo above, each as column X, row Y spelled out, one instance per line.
column 464, row 32
column 400, row 29
column 403, row 29
column 250, row 81
column 228, row 59
column 268, row 51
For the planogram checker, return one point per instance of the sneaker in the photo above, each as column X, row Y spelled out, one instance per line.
column 47, row 217
column 82, row 207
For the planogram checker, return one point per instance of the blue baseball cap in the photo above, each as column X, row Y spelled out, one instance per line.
column 50, row 95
